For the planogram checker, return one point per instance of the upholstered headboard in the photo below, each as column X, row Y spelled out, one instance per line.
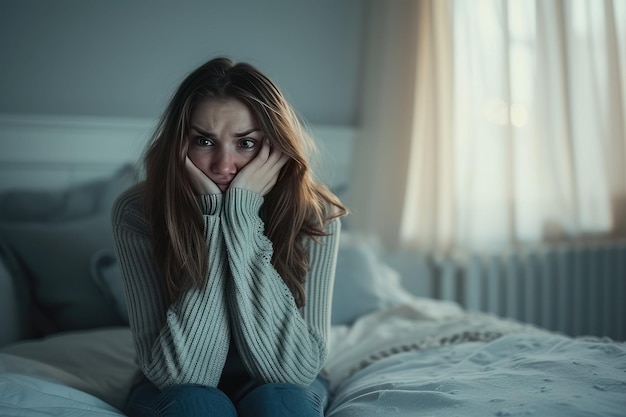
column 50, row 152
column 59, row 177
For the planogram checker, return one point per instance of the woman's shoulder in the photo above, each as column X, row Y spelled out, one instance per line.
column 128, row 209
column 132, row 197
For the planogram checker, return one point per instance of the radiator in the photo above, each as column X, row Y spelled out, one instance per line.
column 574, row 289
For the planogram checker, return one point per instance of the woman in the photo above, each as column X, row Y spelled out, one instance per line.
column 228, row 252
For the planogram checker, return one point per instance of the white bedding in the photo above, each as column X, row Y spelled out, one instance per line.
column 417, row 324
column 423, row 358
column 514, row 375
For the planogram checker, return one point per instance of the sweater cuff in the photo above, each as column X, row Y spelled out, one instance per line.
column 241, row 201
column 210, row 203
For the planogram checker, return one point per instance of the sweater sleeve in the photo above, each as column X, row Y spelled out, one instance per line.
column 277, row 343
column 183, row 342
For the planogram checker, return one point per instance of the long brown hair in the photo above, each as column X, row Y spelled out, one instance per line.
column 295, row 209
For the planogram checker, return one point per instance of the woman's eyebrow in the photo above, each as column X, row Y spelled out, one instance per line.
column 203, row 132
column 247, row 132
column 237, row 135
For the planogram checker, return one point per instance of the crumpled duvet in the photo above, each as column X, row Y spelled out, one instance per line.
column 415, row 325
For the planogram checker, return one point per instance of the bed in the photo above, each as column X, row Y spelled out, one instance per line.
column 66, row 349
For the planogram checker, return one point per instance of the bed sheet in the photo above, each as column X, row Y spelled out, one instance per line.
column 514, row 375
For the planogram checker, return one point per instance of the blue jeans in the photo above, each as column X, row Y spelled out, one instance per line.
column 275, row 400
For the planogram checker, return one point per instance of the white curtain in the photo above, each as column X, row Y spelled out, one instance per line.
column 489, row 124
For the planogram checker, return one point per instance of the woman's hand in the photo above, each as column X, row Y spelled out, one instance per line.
column 199, row 181
column 261, row 174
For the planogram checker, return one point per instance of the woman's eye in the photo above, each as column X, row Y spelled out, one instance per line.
column 247, row 143
column 200, row 141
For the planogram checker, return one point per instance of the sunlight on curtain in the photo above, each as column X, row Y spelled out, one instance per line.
column 519, row 124
column 380, row 161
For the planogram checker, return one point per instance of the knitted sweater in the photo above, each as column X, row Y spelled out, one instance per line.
column 244, row 300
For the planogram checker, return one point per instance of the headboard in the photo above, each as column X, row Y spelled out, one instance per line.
column 51, row 152
column 81, row 158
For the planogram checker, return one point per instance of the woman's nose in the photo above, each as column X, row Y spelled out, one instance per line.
column 224, row 163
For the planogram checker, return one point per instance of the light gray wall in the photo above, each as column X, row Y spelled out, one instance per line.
column 125, row 57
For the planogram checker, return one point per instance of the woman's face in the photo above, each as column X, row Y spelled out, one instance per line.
column 223, row 137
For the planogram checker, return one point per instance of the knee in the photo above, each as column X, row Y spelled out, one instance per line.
column 195, row 400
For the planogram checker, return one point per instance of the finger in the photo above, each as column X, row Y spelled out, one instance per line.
column 192, row 170
column 274, row 173
column 199, row 181
column 274, row 154
column 191, row 167
column 265, row 152
column 277, row 162
column 284, row 158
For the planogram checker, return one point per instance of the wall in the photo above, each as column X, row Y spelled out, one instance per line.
column 124, row 58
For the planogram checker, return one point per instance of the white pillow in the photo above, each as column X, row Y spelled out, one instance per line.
column 100, row 362
column 363, row 282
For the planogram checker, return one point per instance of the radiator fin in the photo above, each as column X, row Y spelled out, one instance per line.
column 574, row 289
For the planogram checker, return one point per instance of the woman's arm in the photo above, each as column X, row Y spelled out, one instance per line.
column 187, row 341
column 276, row 342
